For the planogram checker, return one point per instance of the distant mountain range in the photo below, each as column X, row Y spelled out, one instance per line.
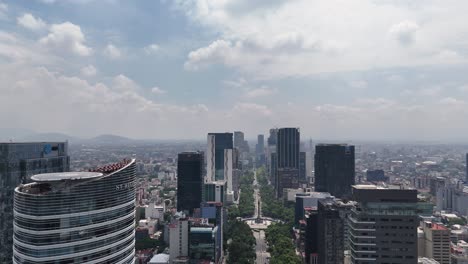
column 23, row 135
column 111, row 139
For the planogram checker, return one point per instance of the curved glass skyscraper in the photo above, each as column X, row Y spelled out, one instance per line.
column 76, row 217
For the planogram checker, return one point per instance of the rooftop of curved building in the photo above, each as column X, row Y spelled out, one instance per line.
column 46, row 182
column 61, row 176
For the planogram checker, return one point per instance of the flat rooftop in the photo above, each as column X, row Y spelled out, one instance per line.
column 61, row 176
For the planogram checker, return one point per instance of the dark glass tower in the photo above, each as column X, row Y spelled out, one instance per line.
column 332, row 230
column 189, row 181
column 18, row 162
column 260, row 148
column 287, row 152
column 288, row 148
column 311, row 237
column 334, row 169
column 260, row 151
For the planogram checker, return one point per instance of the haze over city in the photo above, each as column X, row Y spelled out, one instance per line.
column 371, row 69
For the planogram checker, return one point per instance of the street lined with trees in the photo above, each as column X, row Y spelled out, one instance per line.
column 278, row 235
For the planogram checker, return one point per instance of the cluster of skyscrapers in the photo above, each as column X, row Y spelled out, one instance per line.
column 51, row 215
column 203, row 189
column 287, row 164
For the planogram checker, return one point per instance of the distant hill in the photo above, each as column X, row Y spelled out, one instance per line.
column 109, row 139
column 24, row 135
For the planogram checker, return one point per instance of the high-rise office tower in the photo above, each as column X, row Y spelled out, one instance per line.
column 240, row 143
column 229, row 174
column 302, row 166
column 272, row 139
column 202, row 244
column 304, row 201
column 18, row 162
column 214, row 213
column 77, row 217
column 311, row 242
column 332, row 230
column 383, row 225
column 334, row 169
column 270, row 154
column 189, row 181
column 466, row 163
column 287, row 149
column 260, row 147
column 215, row 155
column 214, row 192
column 239, row 140
column 260, row 151
column 273, row 168
column 179, row 240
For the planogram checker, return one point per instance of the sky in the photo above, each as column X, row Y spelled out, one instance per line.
column 178, row 69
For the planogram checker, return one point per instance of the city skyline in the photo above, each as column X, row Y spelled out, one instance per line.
column 382, row 70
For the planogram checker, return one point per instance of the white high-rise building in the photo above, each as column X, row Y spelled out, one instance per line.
column 220, row 163
column 76, row 217
column 178, row 239
column 436, row 242
column 210, row 159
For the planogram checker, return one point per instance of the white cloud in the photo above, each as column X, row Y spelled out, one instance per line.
column 158, row 91
column 15, row 49
column 463, row 88
column 30, row 22
column 251, row 108
column 88, row 71
column 80, row 105
column 260, row 92
column 452, row 101
column 112, row 52
column 71, row 1
column 220, row 51
column 299, row 38
column 404, row 31
column 425, row 91
column 3, row 10
column 66, row 37
column 122, row 83
column 152, row 49
column 358, row 84
column 395, row 78
column 449, row 56
column 119, row 107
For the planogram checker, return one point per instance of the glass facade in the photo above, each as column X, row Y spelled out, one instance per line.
column 287, row 159
column 382, row 226
column 76, row 220
column 18, row 161
column 222, row 141
column 189, row 181
column 202, row 244
column 334, row 169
